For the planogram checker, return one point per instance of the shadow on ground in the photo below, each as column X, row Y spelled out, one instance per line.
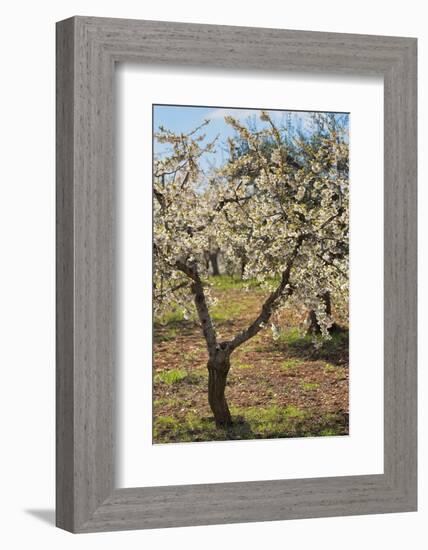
column 335, row 351
column 47, row 515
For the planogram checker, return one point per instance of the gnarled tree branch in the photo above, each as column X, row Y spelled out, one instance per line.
column 270, row 304
column 201, row 305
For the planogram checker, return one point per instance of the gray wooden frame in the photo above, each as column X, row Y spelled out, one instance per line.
column 87, row 50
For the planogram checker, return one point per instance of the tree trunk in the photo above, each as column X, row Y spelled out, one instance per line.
column 243, row 264
column 218, row 368
column 219, row 353
column 214, row 263
column 207, row 260
column 312, row 321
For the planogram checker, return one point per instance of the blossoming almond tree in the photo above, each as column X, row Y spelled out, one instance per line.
column 283, row 207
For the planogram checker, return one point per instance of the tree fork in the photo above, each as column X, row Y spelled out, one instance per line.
column 219, row 354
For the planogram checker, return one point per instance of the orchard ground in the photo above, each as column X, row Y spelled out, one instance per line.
column 276, row 388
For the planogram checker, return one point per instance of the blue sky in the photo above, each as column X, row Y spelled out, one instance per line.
column 183, row 119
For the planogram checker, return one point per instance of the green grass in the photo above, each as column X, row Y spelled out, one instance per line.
column 167, row 335
column 309, row 386
column 294, row 412
column 226, row 312
column 191, row 428
column 167, row 421
column 294, row 338
column 338, row 341
column 174, row 315
column 249, row 423
column 290, row 364
column 302, row 345
column 178, row 376
column 329, row 368
column 242, row 366
column 229, row 282
column 170, row 377
column 219, row 313
column 164, row 401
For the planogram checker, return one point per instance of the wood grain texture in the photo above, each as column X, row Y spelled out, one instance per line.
column 87, row 49
column 64, row 276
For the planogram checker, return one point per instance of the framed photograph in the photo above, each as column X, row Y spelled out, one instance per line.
column 236, row 274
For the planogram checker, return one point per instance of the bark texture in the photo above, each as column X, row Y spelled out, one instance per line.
column 218, row 369
column 214, row 263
